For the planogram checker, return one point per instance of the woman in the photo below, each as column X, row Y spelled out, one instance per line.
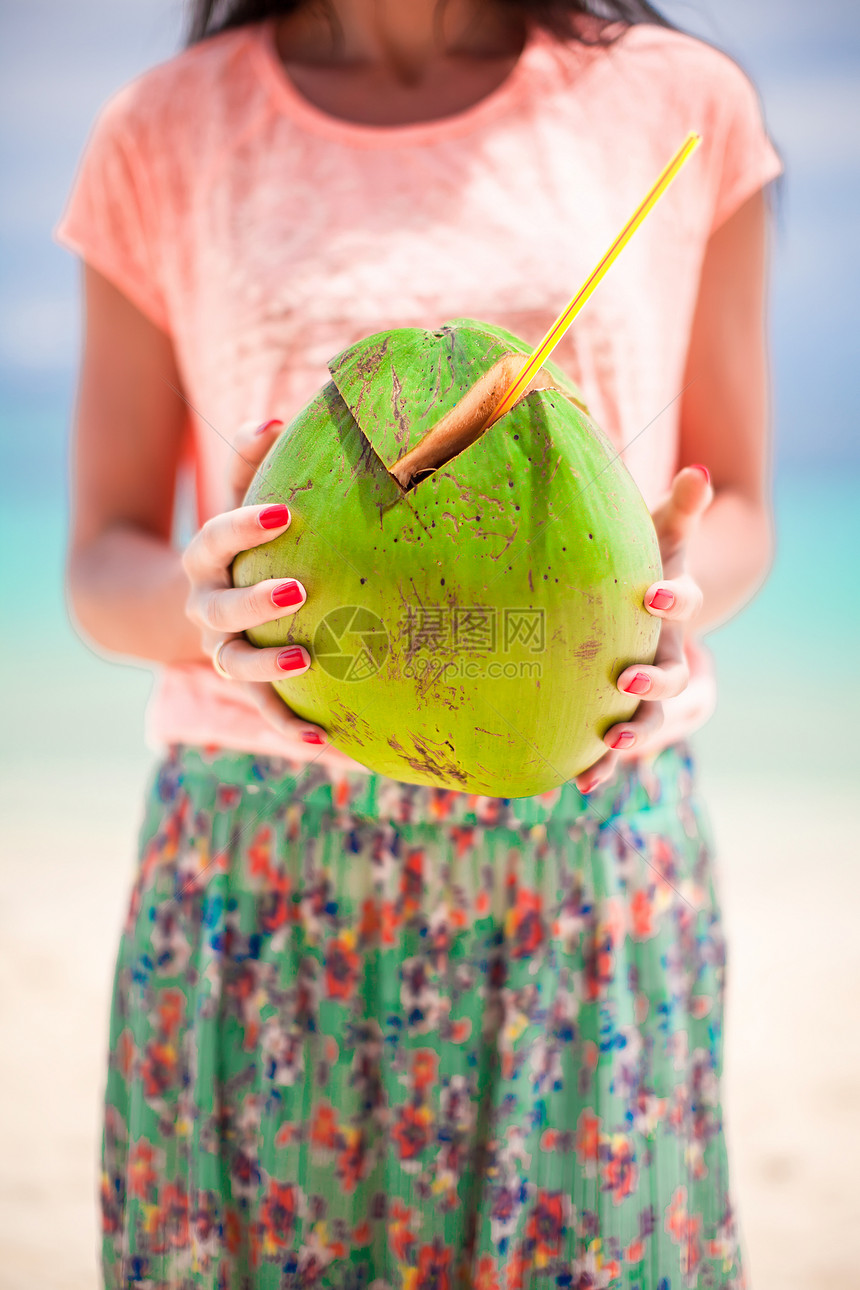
column 364, row 1032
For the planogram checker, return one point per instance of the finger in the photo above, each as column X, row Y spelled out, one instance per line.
column 624, row 735
column 211, row 551
column 279, row 715
column 598, row 773
column 251, row 443
column 690, row 495
column 668, row 675
column 236, row 609
column 244, row 662
column 677, row 599
column 254, row 438
column 627, row 734
column 661, row 680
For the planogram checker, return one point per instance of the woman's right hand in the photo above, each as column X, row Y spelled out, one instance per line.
column 223, row 612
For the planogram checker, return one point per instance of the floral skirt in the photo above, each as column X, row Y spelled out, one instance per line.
column 366, row 1034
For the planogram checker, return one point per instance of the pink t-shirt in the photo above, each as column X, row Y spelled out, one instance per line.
column 265, row 236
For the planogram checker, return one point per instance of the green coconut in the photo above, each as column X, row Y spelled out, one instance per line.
column 473, row 594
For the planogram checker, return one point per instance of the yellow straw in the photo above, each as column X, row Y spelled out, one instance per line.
column 560, row 326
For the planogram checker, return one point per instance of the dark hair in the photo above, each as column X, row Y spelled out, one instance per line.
column 207, row 17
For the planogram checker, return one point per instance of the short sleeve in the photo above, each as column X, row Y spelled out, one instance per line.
column 111, row 214
column 749, row 160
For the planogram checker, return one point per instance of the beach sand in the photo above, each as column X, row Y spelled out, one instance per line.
column 790, row 891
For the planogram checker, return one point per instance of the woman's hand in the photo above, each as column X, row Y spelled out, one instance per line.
column 676, row 598
column 223, row 612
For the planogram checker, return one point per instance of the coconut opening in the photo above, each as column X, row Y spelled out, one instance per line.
column 466, row 422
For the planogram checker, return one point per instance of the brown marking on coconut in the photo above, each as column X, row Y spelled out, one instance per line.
column 400, row 409
column 587, row 650
column 448, row 700
column 298, row 488
column 367, row 456
column 507, row 545
column 366, row 367
column 425, row 529
column 426, row 680
column 491, row 499
column 350, row 723
column 368, row 362
column 429, row 762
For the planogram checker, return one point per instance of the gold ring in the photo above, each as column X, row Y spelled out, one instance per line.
column 216, row 661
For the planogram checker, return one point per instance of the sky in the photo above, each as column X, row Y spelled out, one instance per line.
column 59, row 62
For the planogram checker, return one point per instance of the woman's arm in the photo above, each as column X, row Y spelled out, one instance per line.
column 725, row 418
column 127, row 588
column 715, row 558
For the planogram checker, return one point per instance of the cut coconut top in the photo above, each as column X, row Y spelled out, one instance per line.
column 416, row 397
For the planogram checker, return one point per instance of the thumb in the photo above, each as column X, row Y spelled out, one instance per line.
column 691, row 490
column 251, row 443
column 690, row 496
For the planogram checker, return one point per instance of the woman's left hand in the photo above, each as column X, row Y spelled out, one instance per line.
column 676, row 598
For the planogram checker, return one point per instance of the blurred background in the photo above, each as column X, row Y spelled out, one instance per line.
column 778, row 761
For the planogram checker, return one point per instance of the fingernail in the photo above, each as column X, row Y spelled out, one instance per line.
column 662, row 599
column 290, row 660
column 267, row 425
column 312, row 737
column 275, row 517
column 624, row 740
column 695, row 465
column 587, row 787
column 287, row 593
column 639, row 684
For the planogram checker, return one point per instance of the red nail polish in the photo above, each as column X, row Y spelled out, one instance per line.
column 311, row 737
column 640, row 683
column 695, row 465
column 287, row 593
column 290, row 660
column 624, row 740
column 267, row 425
column 587, row 787
column 662, row 599
column 275, row 517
